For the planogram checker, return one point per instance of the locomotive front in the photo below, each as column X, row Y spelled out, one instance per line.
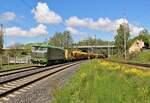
column 39, row 55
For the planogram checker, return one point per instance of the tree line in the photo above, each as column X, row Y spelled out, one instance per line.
column 65, row 40
column 124, row 36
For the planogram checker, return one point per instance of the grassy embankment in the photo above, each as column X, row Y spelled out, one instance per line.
column 143, row 57
column 106, row 82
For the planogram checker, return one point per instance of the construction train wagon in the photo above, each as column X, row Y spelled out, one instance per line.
column 47, row 55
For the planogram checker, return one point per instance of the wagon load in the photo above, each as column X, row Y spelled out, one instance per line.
column 79, row 55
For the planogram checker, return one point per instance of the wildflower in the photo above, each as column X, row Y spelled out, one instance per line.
column 98, row 77
column 83, row 76
column 136, row 71
column 124, row 69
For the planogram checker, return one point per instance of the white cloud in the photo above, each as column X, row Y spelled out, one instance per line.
column 37, row 31
column 77, row 34
column 42, row 14
column 135, row 30
column 75, row 21
column 74, row 31
column 7, row 16
column 103, row 24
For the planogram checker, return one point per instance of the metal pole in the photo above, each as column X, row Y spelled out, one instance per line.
column 95, row 43
column 1, row 38
column 125, row 43
column 1, row 43
column 108, row 49
column 124, row 26
column 8, row 59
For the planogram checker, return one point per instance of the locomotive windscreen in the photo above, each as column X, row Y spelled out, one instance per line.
column 39, row 49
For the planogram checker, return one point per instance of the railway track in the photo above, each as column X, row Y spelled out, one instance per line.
column 133, row 64
column 7, row 86
column 22, row 68
column 5, row 73
column 139, row 64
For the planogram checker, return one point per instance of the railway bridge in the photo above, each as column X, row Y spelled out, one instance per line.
column 95, row 48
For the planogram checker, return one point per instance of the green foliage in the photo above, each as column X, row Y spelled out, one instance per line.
column 143, row 35
column 95, row 84
column 19, row 50
column 61, row 39
column 122, row 31
column 92, row 41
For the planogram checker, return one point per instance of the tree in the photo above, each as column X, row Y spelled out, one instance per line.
column 61, row 39
column 19, row 50
column 56, row 40
column 68, row 41
column 91, row 41
column 122, row 37
column 143, row 35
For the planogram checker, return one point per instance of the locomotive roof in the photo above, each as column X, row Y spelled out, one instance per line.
column 47, row 46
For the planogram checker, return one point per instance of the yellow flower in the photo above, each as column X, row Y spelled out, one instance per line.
column 146, row 73
column 83, row 76
column 136, row 71
column 98, row 77
column 123, row 68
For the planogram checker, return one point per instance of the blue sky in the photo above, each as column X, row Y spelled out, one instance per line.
column 82, row 17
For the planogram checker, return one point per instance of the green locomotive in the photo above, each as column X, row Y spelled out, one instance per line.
column 47, row 55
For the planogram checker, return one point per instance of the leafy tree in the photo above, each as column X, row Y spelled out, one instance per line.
column 144, row 35
column 19, row 50
column 56, row 40
column 61, row 39
column 68, row 41
column 122, row 31
column 91, row 41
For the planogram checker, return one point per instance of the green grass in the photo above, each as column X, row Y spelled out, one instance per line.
column 143, row 57
column 95, row 84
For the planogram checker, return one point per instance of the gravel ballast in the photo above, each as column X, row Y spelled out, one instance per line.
column 43, row 90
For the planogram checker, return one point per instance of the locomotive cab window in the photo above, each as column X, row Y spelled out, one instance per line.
column 43, row 49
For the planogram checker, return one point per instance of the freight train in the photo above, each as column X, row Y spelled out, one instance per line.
column 47, row 55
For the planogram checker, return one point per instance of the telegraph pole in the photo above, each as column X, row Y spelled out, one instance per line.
column 125, row 45
column 1, row 37
column 125, row 41
column 108, row 51
column 1, row 43
column 124, row 33
column 95, row 43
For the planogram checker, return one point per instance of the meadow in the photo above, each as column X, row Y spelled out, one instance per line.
column 105, row 82
column 143, row 57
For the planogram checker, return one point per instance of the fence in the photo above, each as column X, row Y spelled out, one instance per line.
column 19, row 60
column 4, row 60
